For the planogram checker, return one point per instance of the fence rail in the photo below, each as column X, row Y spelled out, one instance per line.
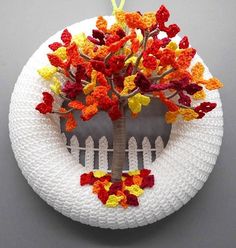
column 102, row 151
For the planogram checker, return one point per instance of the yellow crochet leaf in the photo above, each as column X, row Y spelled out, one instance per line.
column 128, row 84
column 135, row 190
column 123, row 178
column 127, row 51
column 88, row 48
column 134, row 106
column 99, row 173
column 94, row 76
column 131, row 60
column 135, row 102
column 140, row 37
column 134, row 173
column 172, row 45
column 144, row 100
column 200, row 95
column 89, row 88
column 107, row 186
column 56, row 86
column 47, row 72
column 113, row 201
column 178, row 52
column 61, row 53
column 79, row 39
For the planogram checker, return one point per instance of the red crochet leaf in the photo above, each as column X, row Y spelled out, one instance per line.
column 54, row 46
column 66, row 37
column 56, row 61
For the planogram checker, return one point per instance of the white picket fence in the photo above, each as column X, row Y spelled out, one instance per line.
column 103, row 151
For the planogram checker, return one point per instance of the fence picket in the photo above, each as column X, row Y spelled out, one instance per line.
column 159, row 145
column 132, row 154
column 102, row 154
column 64, row 138
column 147, row 153
column 89, row 153
column 74, row 146
column 103, row 151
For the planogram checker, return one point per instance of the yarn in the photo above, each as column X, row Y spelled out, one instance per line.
column 54, row 174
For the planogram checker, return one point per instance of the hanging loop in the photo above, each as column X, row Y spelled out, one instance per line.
column 115, row 7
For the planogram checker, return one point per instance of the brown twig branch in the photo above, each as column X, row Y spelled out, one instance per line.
column 64, row 97
column 168, row 97
column 172, row 95
column 111, row 82
column 109, row 55
column 62, row 113
column 85, row 82
column 133, row 93
column 84, row 56
column 141, row 54
column 129, row 56
column 162, row 75
column 156, row 31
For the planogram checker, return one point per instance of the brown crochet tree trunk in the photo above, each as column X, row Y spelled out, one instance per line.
column 119, row 145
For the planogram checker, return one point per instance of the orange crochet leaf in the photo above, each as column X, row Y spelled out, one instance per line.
column 101, row 24
column 134, row 20
column 76, row 105
column 56, row 61
column 71, row 123
column 89, row 111
column 73, row 55
column 212, row 84
column 197, row 72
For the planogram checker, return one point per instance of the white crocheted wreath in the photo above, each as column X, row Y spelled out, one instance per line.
column 53, row 173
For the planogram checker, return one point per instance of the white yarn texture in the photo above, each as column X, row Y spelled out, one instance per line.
column 180, row 170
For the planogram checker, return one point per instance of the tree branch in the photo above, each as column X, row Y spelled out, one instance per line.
column 172, row 95
column 162, row 75
column 84, row 56
column 65, row 98
column 168, row 97
column 155, row 31
column 129, row 56
column 141, row 54
column 62, row 113
column 109, row 55
column 84, row 82
column 111, row 82
column 136, row 91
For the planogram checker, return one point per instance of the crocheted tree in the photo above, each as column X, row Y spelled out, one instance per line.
column 121, row 68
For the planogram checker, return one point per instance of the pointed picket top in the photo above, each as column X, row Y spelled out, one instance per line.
column 147, row 153
column 102, row 154
column 64, row 138
column 89, row 153
column 102, row 150
column 132, row 154
column 74, row 147
column 159, row 145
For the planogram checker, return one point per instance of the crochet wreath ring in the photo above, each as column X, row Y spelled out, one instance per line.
column 53, row 173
